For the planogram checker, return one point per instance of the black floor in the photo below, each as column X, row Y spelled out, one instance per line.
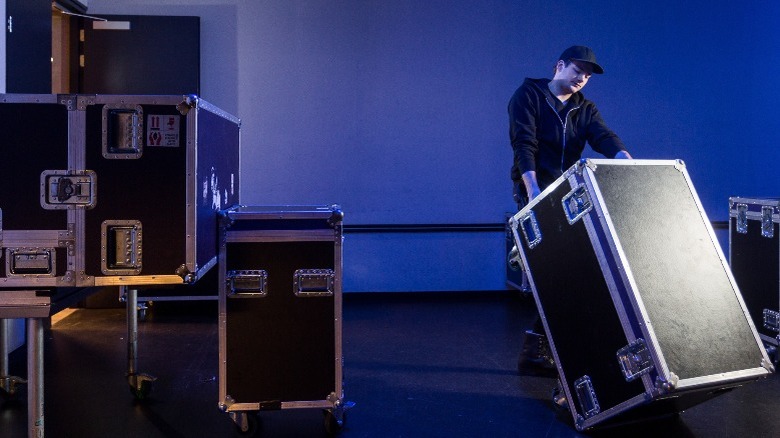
column 416, row 365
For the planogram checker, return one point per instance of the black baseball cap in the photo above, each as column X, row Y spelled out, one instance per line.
column 584, row 54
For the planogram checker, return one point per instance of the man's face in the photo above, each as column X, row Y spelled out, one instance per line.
column 573, row 76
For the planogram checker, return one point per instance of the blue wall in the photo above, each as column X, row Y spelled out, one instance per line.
column 397, row 109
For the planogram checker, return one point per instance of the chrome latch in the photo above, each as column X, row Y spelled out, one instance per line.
column 634, row 359
column 68, row 189
column 247, row 283
column 576, row 204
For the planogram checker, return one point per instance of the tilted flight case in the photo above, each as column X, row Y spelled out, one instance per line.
column 754, row 256
column 38, row 215
column 280, row 306
column 166, row 166
column 641, row 310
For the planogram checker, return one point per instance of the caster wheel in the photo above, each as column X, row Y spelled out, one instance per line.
column 7, row 396
column 247, row 424
column 142, row 391
column 332, row 424
column 8, row 387
column 144, row 309
column 140, row 385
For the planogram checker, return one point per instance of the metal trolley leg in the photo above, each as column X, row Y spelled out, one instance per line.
column 35, row 377
column 140, row 384
column 8, row 383
column 4, row 349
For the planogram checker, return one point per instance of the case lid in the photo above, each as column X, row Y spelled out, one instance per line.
column 276, row 215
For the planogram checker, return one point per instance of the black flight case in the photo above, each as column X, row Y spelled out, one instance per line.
column 640, row 307
column 280, row 305
column 113, row 190
column 754, row 255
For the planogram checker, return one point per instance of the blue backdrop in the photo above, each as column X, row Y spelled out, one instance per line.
column 397, row 109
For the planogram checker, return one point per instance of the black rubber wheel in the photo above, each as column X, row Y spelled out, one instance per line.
column 332, row 425
column 142, row 392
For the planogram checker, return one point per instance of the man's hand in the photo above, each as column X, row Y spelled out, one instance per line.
column 623, row 155
column 531, row 185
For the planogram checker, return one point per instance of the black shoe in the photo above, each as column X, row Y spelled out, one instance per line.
column 535, row 359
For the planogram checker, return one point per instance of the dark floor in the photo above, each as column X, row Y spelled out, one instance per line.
column 416, row 365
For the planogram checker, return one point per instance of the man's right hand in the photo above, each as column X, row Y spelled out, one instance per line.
column 531, row 185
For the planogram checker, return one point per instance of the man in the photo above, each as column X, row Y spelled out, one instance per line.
column 550, row 121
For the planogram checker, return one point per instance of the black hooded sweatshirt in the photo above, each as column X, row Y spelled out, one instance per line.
column 548, row 136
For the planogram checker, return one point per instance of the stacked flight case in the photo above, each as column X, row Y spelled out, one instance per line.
column 280, row 274
column 754, row 256
column 108, row 190
column 38, row 243
column 642, row 313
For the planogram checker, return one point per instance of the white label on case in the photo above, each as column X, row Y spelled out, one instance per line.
column 162, row 130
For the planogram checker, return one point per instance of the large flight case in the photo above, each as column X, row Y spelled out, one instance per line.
column 641, row 310
column 280, row 305
column 113, row 189
column 38, row 245
column 754, row 256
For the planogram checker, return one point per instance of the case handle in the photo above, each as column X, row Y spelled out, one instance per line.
column 247, row 283
column 314, row 282
column 530, row 227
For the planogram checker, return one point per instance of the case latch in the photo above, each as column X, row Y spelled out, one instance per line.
column 314, row 282
column 634, row 359
column 576, row 204
column 767, row 224
column 586, row 396
column 772, row 320
column 742, row 220
column 121, row 247
column 247, row 283
column 64, row 189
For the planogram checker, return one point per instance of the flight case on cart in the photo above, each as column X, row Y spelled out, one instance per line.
column 754, row 247
column 113, row 190
column 165, row 165
column 280, row 307
column 38, row 243
column 640, row 308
